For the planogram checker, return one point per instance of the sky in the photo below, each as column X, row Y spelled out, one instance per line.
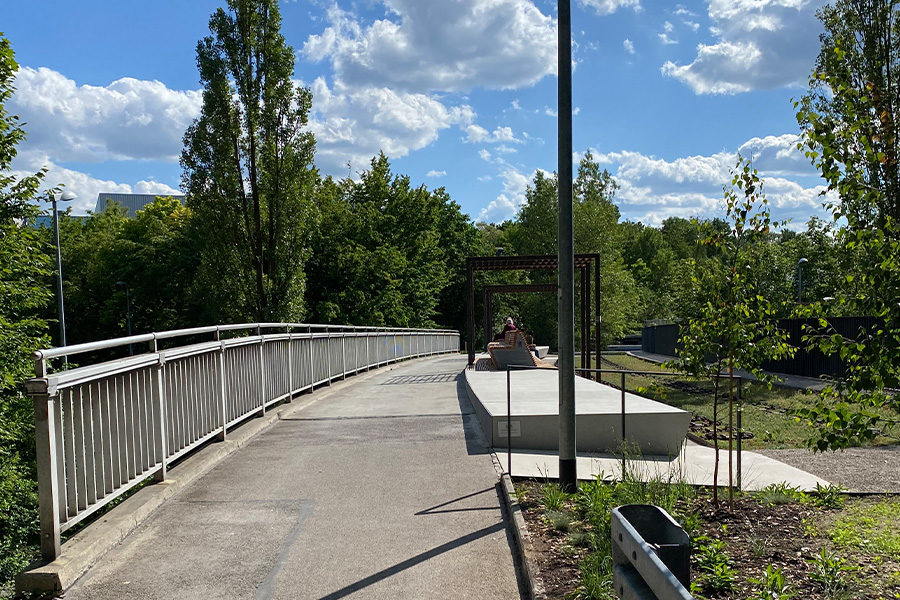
column 458, row 94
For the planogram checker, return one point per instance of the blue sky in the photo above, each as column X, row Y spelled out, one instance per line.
column 458, row 93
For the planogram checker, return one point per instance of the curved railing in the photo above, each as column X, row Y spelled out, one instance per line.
column 103, row 428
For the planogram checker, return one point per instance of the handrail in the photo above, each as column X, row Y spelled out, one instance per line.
column 104, row 427
column 60, row 351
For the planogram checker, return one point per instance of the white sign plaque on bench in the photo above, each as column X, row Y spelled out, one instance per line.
column 514, row 426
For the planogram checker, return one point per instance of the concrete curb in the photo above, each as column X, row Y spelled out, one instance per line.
column 87, row 546
column 520, row 532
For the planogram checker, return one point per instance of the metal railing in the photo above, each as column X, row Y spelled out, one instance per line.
column 103, row 428
column 598, row 374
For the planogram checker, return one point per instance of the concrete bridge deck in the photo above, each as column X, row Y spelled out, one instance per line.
column 382, row 489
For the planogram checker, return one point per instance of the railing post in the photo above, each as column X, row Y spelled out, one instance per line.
column 290, row 362
column 45, row 424
column 312, row 364
column 262, row 373
column 162, row 444
column 328, row 355
column 343, row 355
column 223, row 423
column 368, row 356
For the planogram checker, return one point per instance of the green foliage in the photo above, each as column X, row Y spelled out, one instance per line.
column 829, row 496
column 850, row 134
column 870, row 526
column 387, row 253
column 735, row 327
column 772, row 585
column 552, row 496
column 25, row 268
column 850, row 115
column 780, row 493
column 155, row 254
column 714, row 566
column 594, row 502
column 596, row 230
column 830, row 571
column 248, row 166
column 559, row 520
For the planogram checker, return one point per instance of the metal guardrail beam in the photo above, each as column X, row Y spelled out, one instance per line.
column 101, row 429
column 651, row 554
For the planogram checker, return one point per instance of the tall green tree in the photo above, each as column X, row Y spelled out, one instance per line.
column 850, row 133
column 851, row 115
column 735, row 328
column 596, row 230
column 248, row 165
column 25, row 269
column 387, row 253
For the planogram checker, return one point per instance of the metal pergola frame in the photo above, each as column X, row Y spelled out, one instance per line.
column 583, row 263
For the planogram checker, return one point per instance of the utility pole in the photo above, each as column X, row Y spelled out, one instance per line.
column 568, row 479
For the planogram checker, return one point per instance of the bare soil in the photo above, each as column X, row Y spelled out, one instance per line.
column 786, row 536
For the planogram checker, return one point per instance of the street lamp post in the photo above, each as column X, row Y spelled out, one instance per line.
column 127, row 312
column 64, row 197
column 800, row 264
column 568, row 478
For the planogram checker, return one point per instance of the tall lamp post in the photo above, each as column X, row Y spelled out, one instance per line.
column 800, row 264
column 64, row 197
column 127, row 312
column 568, row 478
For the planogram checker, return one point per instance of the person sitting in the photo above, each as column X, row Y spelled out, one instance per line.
column 529, row 339
column 509, row 326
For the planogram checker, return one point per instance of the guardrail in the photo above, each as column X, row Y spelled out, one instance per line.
column 651, row 554
column 101, row 429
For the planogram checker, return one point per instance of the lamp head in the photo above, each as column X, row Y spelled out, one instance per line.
column 121, row 284
column 67, row 196
column 802, row 261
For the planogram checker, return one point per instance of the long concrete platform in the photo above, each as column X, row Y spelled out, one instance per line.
column 651, row 427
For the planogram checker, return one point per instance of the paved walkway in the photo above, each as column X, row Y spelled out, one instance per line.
column 381, row 490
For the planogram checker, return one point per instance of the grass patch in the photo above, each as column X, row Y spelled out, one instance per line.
column 869, row 526
column 767, row 412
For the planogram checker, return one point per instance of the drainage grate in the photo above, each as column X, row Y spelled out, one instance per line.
column 428, row 378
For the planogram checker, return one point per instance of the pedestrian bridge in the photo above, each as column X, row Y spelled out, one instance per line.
column 106, row 426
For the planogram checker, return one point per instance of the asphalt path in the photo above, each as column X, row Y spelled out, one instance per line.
column 383, row 489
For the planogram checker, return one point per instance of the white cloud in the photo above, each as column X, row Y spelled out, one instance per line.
column 508, row 201
column 652, row 189
column 668, row 27
column 354, row 124
column 762, row 44
column 550, row 112
column 608, row 7
column 451, row 45
column 665, row 39
column 127, row 119
column 434, row 173
column 628, row 45
column 476, row 134
column 85, row 186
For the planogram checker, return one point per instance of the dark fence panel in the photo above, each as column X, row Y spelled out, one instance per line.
column 663, row 339
column 660, row 339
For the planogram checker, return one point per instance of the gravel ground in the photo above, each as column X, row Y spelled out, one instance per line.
column 873, row 469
